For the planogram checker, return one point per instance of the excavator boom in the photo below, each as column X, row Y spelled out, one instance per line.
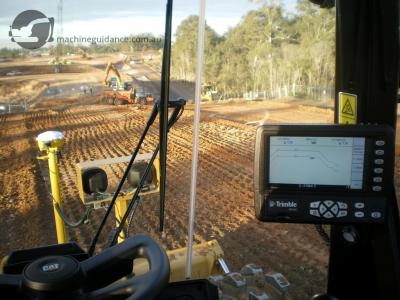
column 110, row 67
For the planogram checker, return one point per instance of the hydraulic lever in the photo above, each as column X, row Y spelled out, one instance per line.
column 150, row 121
column 178, row 106
column 165, row 79
column 178, row 110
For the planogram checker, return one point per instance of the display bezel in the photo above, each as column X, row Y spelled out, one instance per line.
column 369, row 132
column 297, row 204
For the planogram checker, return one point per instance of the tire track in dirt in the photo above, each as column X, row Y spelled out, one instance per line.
column 21, row 196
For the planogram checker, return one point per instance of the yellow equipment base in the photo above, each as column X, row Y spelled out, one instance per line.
column 204, row 262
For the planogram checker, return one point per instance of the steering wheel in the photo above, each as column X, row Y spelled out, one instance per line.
column 63, row 277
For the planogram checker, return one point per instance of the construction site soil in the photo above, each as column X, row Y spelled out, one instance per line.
column 224, row 209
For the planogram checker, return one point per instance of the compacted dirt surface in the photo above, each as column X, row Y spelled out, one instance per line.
column 224, row 192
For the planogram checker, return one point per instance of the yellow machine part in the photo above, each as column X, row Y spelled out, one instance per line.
column 204, row 262
column 111, row 67
column 80, row 167
column 56, row 143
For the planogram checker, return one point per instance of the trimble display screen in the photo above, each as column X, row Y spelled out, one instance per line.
column 317, row 161
column 323, row 173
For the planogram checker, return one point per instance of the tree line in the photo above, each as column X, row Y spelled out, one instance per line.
column 269, row 50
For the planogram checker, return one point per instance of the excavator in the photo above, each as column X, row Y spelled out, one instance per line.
column 117, row 92
column 348, row 184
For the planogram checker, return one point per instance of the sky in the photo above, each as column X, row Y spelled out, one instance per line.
column 122, row 18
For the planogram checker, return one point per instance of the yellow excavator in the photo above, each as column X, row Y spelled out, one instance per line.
column 117, row 92
column 116, row 81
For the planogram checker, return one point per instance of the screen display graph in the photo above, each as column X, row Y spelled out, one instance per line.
column 312, row 161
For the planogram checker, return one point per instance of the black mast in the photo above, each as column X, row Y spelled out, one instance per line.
column 367, row 65
column 163, row 107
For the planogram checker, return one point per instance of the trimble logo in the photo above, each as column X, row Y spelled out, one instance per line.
column 284, row 204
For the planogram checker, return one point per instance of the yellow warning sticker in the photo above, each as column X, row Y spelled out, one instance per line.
column 347, row 108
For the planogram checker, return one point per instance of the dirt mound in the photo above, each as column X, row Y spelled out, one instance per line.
column 20, row 90
column 43, row 69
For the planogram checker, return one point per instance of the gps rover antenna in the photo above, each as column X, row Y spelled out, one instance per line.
column 165, row 76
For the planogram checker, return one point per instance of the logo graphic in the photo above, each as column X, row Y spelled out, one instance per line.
column 50, row 267
column 282, row 204
column 31, row 29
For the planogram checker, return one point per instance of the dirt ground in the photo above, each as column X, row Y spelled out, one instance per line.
column 224, row 209
column 224, row 200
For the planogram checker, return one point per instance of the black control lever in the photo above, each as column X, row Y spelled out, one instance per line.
column 178, row 109
column 180, row 102
column 150, row 121
column 165, row 80
column 174, row 116
column 178, row 106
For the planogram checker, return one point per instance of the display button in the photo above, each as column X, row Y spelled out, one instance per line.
column 356, row 184
column 342, row 205
column 314, row 212
column 380, row 152
column 335, row 209
column 315, row 204
column 377, row 179
column 378, row 170
column 377, row 188
column 322, row 209
column 328, row 203
column 376, row 214
column 359, row 205
column 342, row 213
column 380, row 143
column 359, row 214
column 379, row 161
column 328, row 215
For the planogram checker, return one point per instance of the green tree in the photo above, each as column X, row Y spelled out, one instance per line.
column 267, row 51
column 317, row 44
column 254, row 51
column 184, row 51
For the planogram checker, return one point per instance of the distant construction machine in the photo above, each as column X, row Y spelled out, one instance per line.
column 209, row 92
column 143, row 96
column 117, row 92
